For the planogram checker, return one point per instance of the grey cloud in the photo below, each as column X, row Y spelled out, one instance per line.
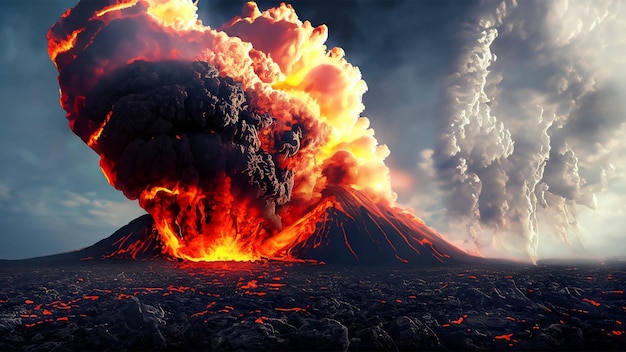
column 528, row 116
column 5, row 192
column 44, row 220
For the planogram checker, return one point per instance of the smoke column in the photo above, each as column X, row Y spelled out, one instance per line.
column 530, row 124
column 224, row 135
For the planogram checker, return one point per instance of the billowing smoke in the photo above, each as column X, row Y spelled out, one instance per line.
column 178, row 125
column 529, row 123
column 224, row 136
column 173, row 122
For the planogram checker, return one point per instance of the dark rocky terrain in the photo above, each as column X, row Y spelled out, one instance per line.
column 377, row 279
column 168, row 305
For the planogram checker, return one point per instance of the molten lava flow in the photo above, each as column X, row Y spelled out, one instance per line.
column 226, row 136
column 234, row 232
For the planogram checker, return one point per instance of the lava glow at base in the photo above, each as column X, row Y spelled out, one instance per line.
column 230, row 137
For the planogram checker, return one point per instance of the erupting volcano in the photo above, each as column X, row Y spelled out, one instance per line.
column 245, row 145
column 242, row 142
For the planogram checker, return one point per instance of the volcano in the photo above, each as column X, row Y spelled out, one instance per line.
column 242, row 142
column 354, row 229
column 346, row 227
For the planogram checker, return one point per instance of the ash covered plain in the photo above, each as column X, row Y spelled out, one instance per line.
column 54, row 303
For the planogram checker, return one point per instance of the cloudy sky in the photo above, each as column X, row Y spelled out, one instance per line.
column 505, row 123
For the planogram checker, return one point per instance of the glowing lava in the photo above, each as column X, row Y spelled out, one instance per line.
column 226, row 136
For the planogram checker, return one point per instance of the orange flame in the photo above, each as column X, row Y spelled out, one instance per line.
column 96, row 135
column 63, row 46
column 285, row 66
column 115, row 7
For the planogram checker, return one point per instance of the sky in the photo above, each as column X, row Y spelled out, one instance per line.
column 504, row 121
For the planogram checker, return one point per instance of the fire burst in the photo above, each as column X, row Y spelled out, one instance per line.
column 226, row 136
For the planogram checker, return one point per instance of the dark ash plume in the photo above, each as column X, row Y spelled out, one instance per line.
column 181, row 125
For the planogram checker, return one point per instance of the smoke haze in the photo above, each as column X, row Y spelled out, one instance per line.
column 529, row 127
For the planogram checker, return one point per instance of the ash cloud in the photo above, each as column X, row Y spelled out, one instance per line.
column 181, row 125
column 215, row 150
column 526, row 122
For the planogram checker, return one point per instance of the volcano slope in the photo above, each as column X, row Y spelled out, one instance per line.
column 346, row 227
column 386, row 284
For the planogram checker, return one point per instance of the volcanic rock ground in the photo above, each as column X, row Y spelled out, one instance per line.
column 168, row 305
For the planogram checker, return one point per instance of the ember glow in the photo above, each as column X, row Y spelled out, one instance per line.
column 227, row 136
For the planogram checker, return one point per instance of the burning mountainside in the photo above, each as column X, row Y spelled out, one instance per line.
column 239, row 141
column 353, row 229
column 345, row 228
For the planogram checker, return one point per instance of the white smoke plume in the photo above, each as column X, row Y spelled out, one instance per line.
column 530, row 125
